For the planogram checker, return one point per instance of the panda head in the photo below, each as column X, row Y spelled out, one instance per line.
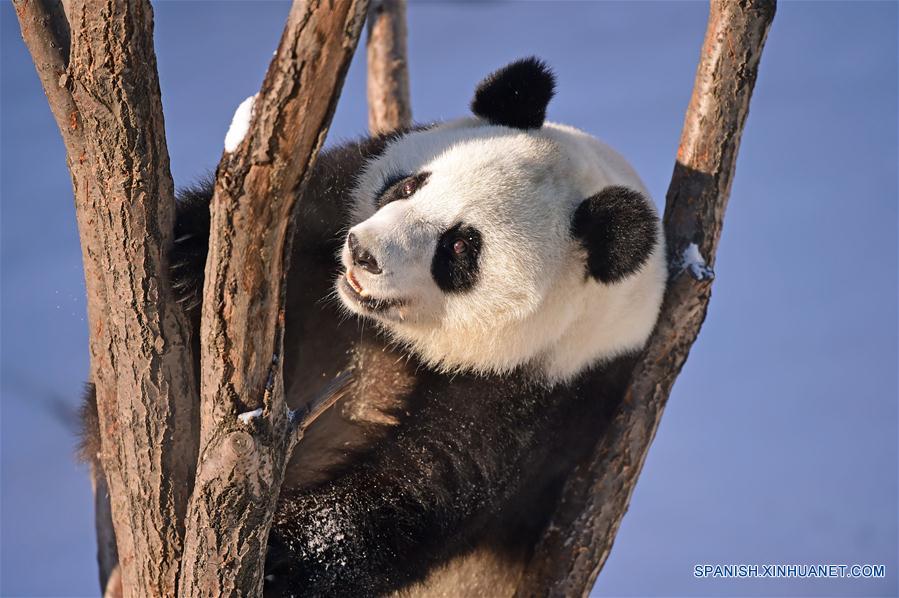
column 499, row 242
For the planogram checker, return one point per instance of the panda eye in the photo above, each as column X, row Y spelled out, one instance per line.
column 455, row 262
column 401, row 187
column 390, row 183
column 408, row 188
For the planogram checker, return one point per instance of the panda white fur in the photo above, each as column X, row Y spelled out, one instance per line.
column 515, row 191
column 504, row 272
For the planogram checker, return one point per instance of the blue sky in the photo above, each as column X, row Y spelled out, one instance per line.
column 779, row 444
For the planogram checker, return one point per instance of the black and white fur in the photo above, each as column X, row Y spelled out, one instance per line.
column 505, row 271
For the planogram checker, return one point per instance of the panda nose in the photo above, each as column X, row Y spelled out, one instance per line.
column 362, row 257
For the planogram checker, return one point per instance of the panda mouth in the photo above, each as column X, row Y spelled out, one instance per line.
column 353, row 290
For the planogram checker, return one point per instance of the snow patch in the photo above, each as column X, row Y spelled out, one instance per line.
column 250, row 415
column 240, row 124
column 693, row 261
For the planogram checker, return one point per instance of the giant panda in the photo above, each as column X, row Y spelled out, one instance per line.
column 486, row 282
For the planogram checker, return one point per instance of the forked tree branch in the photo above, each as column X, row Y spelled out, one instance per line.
column 242, row 459
column 578, row 540
column 104, row 93
column 389, row 106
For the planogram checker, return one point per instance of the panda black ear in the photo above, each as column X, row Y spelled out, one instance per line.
column 618, row 229
column 516, row 95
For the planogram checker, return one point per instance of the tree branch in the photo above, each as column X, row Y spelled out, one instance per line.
column 242, row 460
column 106, row 103
column 45, row 30
column 579, row 538
column 389, row 107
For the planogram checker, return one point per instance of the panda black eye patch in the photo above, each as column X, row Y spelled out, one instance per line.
column 455, row 263
column 400, row 187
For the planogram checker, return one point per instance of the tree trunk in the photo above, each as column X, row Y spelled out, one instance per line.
column 242, row 459
column 104, row 93
column 579, row 538
column 389, row 107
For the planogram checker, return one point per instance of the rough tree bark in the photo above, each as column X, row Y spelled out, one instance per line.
column 579, row 538
column 98, row 68
column 112, row 126
column 242, row 459
column 389, row 107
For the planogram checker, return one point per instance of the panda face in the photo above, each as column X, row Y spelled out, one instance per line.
column 456, row 228
column 499, row 242
column 470, row 244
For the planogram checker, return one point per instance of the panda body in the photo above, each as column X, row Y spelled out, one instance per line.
column 504, row 273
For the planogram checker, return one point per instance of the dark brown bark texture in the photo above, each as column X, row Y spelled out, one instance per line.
column 596, row 496
column 104, row 93
column 242, row 460
column 389, row 106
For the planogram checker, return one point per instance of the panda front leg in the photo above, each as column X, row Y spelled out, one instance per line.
column 414, row 502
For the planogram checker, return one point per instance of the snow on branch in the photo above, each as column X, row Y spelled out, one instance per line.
column 240, row 124
column 691, row 260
